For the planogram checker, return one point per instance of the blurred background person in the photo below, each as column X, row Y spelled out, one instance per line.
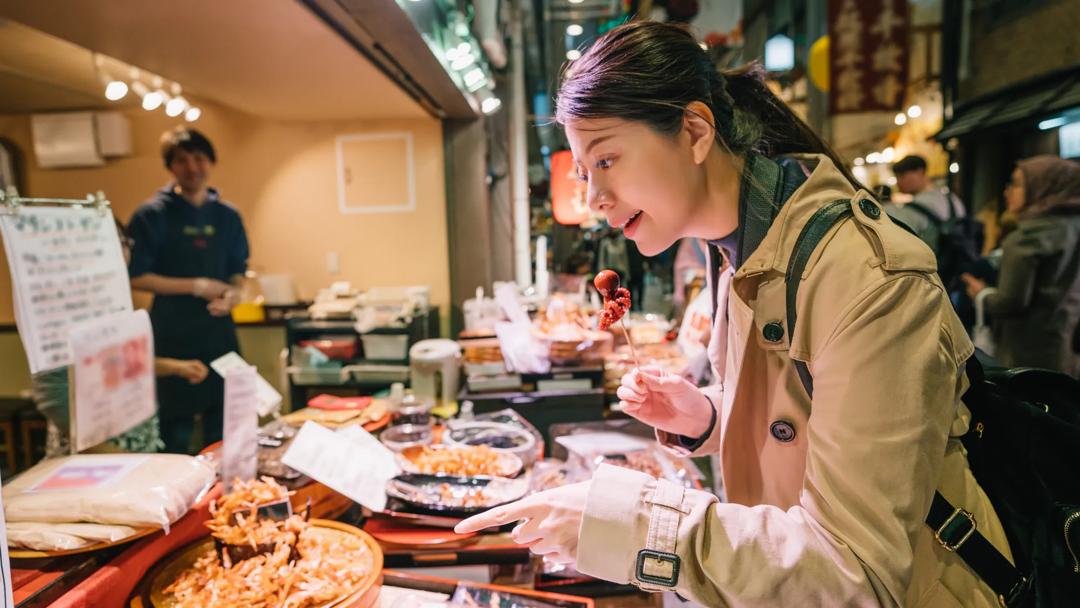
column 1036, row 307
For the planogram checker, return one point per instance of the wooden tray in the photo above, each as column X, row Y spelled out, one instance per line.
column 149, row 593
column 31, row 554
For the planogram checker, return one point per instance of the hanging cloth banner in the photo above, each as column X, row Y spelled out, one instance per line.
column 868, row 55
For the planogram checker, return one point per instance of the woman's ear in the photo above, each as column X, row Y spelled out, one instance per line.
column 698, row 122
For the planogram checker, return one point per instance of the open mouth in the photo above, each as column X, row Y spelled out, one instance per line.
column 629, row 220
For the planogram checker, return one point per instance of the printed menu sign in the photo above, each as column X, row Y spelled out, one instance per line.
column 66, row 268
column 350, row 461
column 113, row 377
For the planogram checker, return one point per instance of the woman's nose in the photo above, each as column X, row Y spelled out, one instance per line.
column 598, row 197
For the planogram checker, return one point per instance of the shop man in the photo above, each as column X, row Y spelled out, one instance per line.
column 190, row 250
column 930, row 206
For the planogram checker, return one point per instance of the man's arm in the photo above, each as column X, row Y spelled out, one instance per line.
column 208, row 289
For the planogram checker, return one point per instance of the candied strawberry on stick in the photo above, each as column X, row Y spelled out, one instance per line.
column 616, row 304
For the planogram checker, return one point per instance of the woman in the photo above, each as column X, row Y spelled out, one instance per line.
column 1036, row 307
column 827, row 495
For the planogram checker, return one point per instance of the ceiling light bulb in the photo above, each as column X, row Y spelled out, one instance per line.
column 859, row 161
column 900, row 119
column 115, row 90
column 914, row 111
column 192, row 114
column 152, row 100
column 888, row 154
column 175, row 89
column 473, row 77
column 573, row 54
column 954, row 168
column 463, row 61
column 574, row 29
column 176, row 106
column 490, row 105
column 892, row 180
column 576, row 1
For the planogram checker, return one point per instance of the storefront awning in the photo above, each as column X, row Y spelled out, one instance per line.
column 1028, row 100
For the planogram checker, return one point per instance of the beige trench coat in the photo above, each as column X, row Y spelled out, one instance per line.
column 831, row 515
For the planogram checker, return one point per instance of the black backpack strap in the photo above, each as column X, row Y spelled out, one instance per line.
column 923, row 211
column 954, row 528
column 815, row 229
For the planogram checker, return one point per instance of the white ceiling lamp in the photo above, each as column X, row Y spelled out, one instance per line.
column 859, row 161
column 176, row 106
column 116, row 90
column 900, row 119
column 474, row 79
column 574, row 29
column 888, row 154
column 576, row 1
column 954, row 168
column 873, row 158
column 892, row 180
column 573, row 54
column 463, row 61
column 152, row 100
column 914, row 111
column 193, row 113
column 490, row 105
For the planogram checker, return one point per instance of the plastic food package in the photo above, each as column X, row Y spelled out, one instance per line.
column 624, row 443
column 482, row 429
column 139, row 490
column 63, row 537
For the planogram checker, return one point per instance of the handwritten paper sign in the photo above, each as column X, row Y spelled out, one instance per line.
column 268, row 400
column 351, row 462
column 66, row 268
column 239, row 450
column 6, row 599
column 113, row 373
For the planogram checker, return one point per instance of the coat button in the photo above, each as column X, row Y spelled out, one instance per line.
column 782, row 431
column 870, row 209
column 773, row 331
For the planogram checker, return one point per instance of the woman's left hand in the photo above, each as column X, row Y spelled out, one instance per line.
column 974, row 285
column 550, row 521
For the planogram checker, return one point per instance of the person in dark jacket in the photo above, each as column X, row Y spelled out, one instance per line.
column 190, row 250
column 1036, row 308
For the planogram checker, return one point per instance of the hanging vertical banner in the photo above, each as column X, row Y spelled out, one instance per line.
column 868, row 55
column 113, row 372
column 568, row 193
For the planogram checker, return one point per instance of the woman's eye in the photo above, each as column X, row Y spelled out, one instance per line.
column 604, row 163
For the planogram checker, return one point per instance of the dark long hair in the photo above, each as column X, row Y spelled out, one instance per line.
column 650, row 72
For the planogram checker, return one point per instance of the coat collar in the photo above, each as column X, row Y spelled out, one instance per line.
column 825, row 183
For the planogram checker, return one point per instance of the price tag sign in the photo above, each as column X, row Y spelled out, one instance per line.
column 239, row 450
column 113, row 377
column 350, row 462
column 268, row 399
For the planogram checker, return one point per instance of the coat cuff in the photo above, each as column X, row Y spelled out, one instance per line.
column 685, row 447
column 615, row 524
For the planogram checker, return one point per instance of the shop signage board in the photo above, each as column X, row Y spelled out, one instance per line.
column 239, row 448
column 868, row 55
column 112, row 386
column 67, row 267
column 268, row 400
column 351, row 462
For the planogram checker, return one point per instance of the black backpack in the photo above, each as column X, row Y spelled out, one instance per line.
column 1023, row 448
column 958, row 244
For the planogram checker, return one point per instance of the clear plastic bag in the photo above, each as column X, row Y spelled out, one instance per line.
column 139, row 490
column 623, row 443
column 63, row 537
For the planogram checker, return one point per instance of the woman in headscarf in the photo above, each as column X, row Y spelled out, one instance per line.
column 1036, row 308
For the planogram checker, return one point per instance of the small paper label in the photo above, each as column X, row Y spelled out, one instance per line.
column 239, row 450
column 93, row 472
column 268, row 399
column 351, row 462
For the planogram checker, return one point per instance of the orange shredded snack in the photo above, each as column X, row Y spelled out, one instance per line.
column 467, row 461
column 329, row 568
